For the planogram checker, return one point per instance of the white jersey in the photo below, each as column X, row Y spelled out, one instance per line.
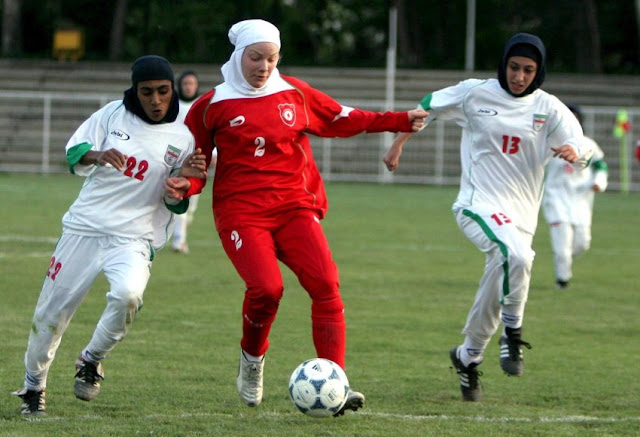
column 127, row 203
column 506, row 143
column 568, row 194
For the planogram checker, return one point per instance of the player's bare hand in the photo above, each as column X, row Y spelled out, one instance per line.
column 392, row 156
column 417, row 118
column 176, row 187
column 195, row 165
column 565, row 152
column 113, row 158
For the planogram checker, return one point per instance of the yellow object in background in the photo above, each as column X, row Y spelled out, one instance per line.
column 68, row 44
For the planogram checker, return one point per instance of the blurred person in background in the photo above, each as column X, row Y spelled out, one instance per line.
column 568, row 206
column 188, row 91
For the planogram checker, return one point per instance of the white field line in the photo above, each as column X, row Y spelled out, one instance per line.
column 402, row 417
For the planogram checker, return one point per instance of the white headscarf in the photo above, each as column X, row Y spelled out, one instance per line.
column 241, row 35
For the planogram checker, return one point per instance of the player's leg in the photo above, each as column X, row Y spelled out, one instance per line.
column 562, row 240
column 191, row 212
column 252, row 252
column 502, row 292
column 127, row 265
column 581, row 239
column 179, row 239
column 73, row 268
column 303, row 247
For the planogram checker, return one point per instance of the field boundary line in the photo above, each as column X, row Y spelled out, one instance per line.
column 411, row 417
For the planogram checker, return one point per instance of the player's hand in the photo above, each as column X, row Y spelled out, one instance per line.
column 565, row 152
column 176, row 187
column 194, row 166
column 392, row 156
column 417, row 117
column 109, row 158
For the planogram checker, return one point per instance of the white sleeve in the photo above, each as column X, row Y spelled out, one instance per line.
column 567, row 130
column 92, row 132
column 446, row 103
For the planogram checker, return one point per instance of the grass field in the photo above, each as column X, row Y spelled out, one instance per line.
column 408, row 278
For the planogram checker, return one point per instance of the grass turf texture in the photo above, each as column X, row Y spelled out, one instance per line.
column 408, row 278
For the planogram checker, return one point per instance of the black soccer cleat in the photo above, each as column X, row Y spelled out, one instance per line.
column 88, row 377
column 33, row 402
column 469, row 377
column 355, row 401
column 511, row 360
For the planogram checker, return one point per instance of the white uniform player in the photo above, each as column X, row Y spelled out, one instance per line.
column 510, row 130
column 126, row 151
column 568, row 207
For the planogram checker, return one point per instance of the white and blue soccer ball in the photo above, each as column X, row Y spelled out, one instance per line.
column 319, row 387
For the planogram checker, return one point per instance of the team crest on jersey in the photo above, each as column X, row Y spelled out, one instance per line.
column 171, row 155
column 538, row 121
column 287, row 113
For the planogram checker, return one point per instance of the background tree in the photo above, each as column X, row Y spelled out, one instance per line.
column 582, row 36
column 11, row 35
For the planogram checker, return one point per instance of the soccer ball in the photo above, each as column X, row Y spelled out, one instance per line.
column 319, row 387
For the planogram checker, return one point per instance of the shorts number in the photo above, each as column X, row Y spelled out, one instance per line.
column 54, row 268
column 500, row 218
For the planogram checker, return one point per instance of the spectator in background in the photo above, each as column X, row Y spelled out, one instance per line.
column 188, row 91
column 568, row 206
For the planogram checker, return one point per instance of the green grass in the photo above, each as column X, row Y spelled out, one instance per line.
column 408, row 278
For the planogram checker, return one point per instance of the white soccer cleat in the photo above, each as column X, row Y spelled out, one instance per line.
column 249, row 380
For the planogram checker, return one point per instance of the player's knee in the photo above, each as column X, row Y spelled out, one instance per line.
column 264, row 298
column 130, row 298
column 325, row 286
column 520, row 261
column 328, row 307
column 581, row 248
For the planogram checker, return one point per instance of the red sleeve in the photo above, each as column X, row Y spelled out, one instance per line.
column 328, row 118
column 196, row 122
column 638, row 151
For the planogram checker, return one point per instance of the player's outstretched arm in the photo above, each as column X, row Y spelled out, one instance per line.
column 392, row 157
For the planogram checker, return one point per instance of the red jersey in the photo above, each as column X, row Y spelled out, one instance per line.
column 265, row 163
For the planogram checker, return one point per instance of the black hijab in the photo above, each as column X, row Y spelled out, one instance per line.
column 527, row 45
column 181, row 96
column 150, row 67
